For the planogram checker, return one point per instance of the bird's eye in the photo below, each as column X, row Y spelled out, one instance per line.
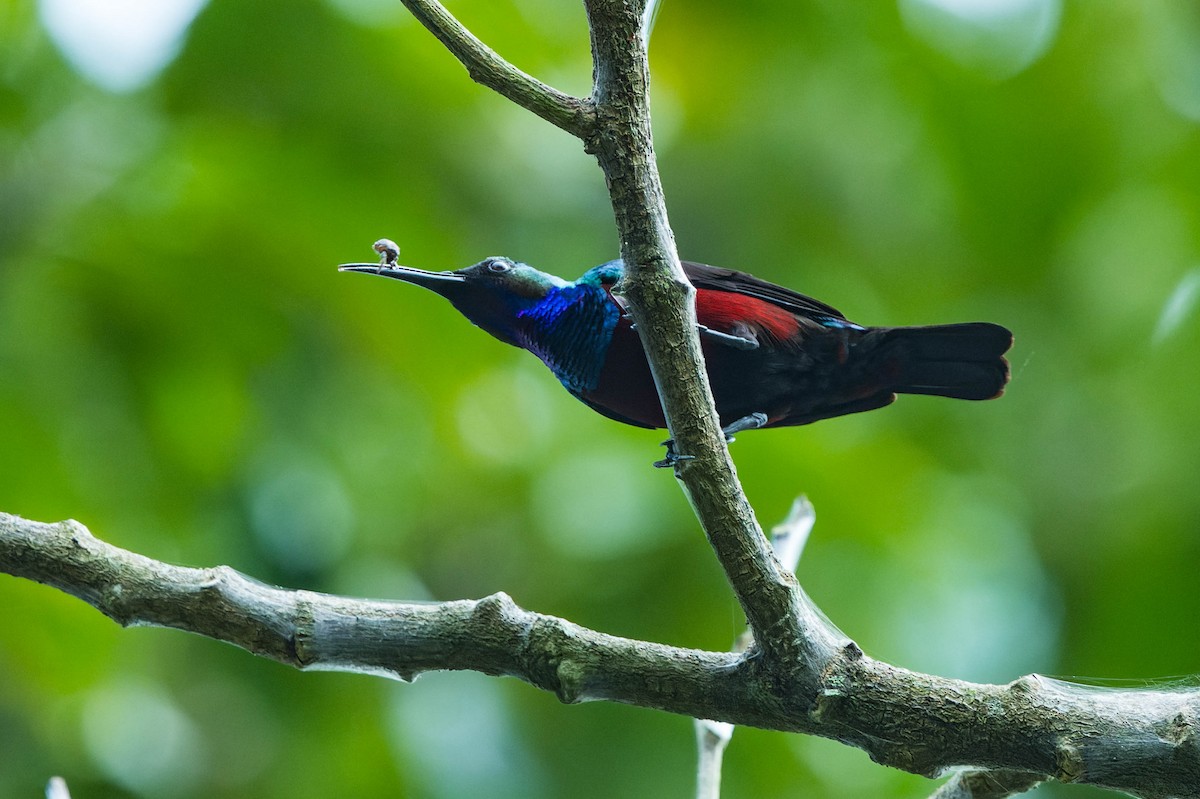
column 498, row 267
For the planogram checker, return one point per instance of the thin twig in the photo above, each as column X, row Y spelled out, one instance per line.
column 485, row 66
column 790, row 535
column 711, row 739
column 57, row 789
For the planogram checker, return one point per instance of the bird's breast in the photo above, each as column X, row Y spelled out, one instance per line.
column 625, row 389
column 570, row 330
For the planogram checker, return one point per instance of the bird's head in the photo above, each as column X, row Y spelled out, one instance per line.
column 491, row 294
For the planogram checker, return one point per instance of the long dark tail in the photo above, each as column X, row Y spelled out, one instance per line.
column 963, row 361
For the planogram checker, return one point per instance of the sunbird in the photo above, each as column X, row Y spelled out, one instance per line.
column 775, row 358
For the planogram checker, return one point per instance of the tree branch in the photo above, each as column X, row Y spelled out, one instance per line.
column 1143, row 742
column 487, row 68
column 786, row 626
column 310, row 630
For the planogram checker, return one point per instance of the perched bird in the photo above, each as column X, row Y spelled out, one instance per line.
column 774, row 357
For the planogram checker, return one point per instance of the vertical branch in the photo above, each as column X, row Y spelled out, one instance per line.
column 661, row 300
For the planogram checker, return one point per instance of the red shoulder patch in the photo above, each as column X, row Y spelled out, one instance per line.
column 726, row 311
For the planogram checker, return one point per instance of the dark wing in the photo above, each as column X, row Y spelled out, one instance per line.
column 704, row 276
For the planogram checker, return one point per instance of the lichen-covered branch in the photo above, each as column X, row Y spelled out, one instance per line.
column 1141, row 741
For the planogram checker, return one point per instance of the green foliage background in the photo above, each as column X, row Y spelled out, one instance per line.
column 183, row 370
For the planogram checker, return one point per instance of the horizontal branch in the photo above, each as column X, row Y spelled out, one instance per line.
column 311, row 630
column 486, row 67
column 1140, row 741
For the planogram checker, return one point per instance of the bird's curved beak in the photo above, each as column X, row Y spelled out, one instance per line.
column 435, row 281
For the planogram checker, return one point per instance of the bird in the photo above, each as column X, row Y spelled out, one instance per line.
column 774, row 357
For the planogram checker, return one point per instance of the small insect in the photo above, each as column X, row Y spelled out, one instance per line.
column 388, row 250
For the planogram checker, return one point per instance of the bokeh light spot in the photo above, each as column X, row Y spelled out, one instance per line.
column 119, row 45
column 301, row 515
column 139, row 737
column 1177, row 62
column 997, row 38
column 1179, row 306
column 978, row 604
column 601, row 504
column 456, row 736
column 507, row 415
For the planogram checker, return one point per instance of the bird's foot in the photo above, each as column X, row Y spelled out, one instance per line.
column 728, row 339
column 672, row 458
column 751, row 421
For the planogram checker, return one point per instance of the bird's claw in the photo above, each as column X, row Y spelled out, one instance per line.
column 729, row 339
column 748, row 422
column 751, row 421
column 389, row 252
column 672, row 458
column 737, row 342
